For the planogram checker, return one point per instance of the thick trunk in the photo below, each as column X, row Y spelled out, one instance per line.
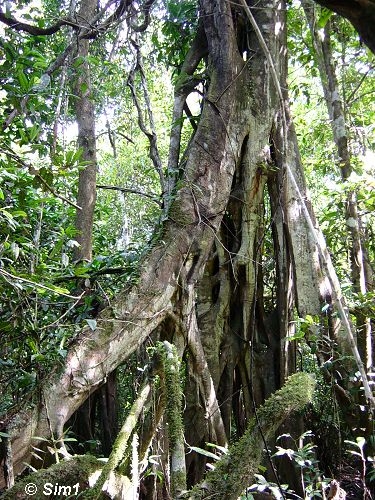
column 194, row 219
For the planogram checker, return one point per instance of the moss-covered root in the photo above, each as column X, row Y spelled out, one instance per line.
column 121, row 443
column 236, row 470
column 68, row 477
column 174, row 416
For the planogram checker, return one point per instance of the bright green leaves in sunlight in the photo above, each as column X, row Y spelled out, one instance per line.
column 325, row 16
column 177, row 30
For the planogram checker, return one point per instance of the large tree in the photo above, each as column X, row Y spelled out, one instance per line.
column 203, row 285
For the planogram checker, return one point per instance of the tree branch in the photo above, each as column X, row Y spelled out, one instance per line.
column 146, row 13
column 360, row 13
column 150, row 134
column 17, row 25
column 152, row 197
column 121, row 443
column 184, row 85
column 89, row 30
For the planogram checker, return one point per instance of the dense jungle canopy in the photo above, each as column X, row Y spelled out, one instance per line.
column 187, row 249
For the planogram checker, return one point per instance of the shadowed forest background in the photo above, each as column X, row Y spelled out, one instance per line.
column 187, row 249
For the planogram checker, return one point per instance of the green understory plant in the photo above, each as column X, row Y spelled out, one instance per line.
column 302, row 454
column 357, row 449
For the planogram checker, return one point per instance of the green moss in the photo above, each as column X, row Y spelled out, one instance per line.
column 66, row 473
column 173, row 391
column 178, row 479
column 236, row 470
column 179, row 214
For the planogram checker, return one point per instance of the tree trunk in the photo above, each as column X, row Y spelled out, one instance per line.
column 85, row 115
column 358, row 254
column 202, row 284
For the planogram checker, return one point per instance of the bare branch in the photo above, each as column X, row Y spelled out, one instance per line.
column 91, row 30
column 145, row 9
column 150, row 134
column 16, row 25
column 125, row 136
column 152, row 197
column 10, row 276
column 55, row 193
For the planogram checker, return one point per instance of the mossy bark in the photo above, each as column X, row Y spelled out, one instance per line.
column 235, row 471
column 173, row 393
column 121, row 443
column 73, row 473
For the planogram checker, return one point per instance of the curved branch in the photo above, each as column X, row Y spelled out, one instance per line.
column 17, row 25
column 360, row 13
column 90, row 31
column 151, row 132
column 146, row 13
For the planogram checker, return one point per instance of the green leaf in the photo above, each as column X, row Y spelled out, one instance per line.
column 78, row 61
column 34, row 132
column 84, row 87
column 91, row 323
column 206, row 453
column 325, row 16
column 23, row 81
column 309, row 319
column 297, row 336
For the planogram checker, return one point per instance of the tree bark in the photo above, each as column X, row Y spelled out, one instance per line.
column 85, row 115
column 332, row 95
